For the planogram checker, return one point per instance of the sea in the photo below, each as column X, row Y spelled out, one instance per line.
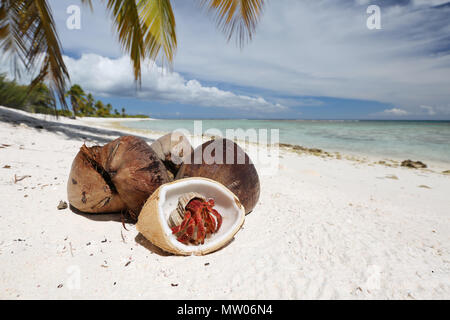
column 399, row 140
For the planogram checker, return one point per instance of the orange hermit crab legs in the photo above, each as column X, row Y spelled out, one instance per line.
column 199, row 220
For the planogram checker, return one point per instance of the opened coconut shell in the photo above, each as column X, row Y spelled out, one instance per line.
column 224, row 161
column 156, row 215
column 119, row 176
column 172, row 149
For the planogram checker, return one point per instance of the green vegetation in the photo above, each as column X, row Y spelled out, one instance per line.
column 39, row 99
column 84, row 105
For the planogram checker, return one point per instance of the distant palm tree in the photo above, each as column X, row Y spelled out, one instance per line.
column 109, row 108
column 101, row 111
column 77, row 98
column 144, row 27
column 89, row 109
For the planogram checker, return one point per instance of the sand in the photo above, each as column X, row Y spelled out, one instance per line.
column 324, row 229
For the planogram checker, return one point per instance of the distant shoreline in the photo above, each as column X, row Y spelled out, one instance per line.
column 328, row 153
column 370, row 159
column 296, row 120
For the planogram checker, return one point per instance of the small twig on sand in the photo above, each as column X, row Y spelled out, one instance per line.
column 17, row 179
column 71, row 249
column 123, row 238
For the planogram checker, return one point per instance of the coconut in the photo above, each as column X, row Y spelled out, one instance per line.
column 154, row 219
column 224, row 161
column 119, row 176
column 172, row 149
column 89, row 188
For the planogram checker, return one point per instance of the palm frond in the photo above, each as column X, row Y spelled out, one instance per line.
column 159, row 28
column 87, row 2
column 143, row 29
column 126, row 19
column 28, row 34
column 236, row 17
column 47, row 42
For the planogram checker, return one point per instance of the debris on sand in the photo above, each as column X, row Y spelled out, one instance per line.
column 413, row 164
column 62, row 205
column 17, row 179
column 392, row 176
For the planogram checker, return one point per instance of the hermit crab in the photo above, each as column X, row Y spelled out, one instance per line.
column 191, row 216
column 194, row 218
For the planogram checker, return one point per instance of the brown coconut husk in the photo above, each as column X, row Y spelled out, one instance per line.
column 172, row 149
column 119, row 176
column 89, row 189
column 240, row 176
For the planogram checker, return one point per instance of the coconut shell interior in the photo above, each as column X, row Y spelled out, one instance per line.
column 153, row 219
column 172, row 149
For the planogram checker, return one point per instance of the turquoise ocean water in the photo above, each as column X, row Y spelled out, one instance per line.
column 416, row 140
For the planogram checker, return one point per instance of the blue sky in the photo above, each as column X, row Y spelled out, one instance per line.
column 309, row 59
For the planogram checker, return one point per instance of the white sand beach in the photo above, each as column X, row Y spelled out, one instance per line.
column 323, row 229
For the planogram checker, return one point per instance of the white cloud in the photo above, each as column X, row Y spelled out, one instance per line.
column 429, row 109
column 396, row 112
column 429, row 2
column 323, row 48
column 106, row 76
column 314, row 48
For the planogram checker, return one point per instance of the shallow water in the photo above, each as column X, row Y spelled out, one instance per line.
column 416, row 140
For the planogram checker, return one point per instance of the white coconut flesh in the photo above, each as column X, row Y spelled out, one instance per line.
column 225, row 202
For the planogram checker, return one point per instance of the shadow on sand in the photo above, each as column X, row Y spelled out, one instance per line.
column 71, row 131
column 121, row 218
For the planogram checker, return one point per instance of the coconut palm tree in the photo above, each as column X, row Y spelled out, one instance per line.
column 146, row 29
column 77, row 98
column 101, row 111
column 89, row 109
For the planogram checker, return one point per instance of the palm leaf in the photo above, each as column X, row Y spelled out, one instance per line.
column 143, row 29
column 87, row 2
column 159, row 27
column 236, row 17
column 126, row 19
column 28, row 34
column 48, row 43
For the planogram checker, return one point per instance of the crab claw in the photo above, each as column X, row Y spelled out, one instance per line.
column 210, row 222
column 187, row 217
column 201, row 233
column 191, row 228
